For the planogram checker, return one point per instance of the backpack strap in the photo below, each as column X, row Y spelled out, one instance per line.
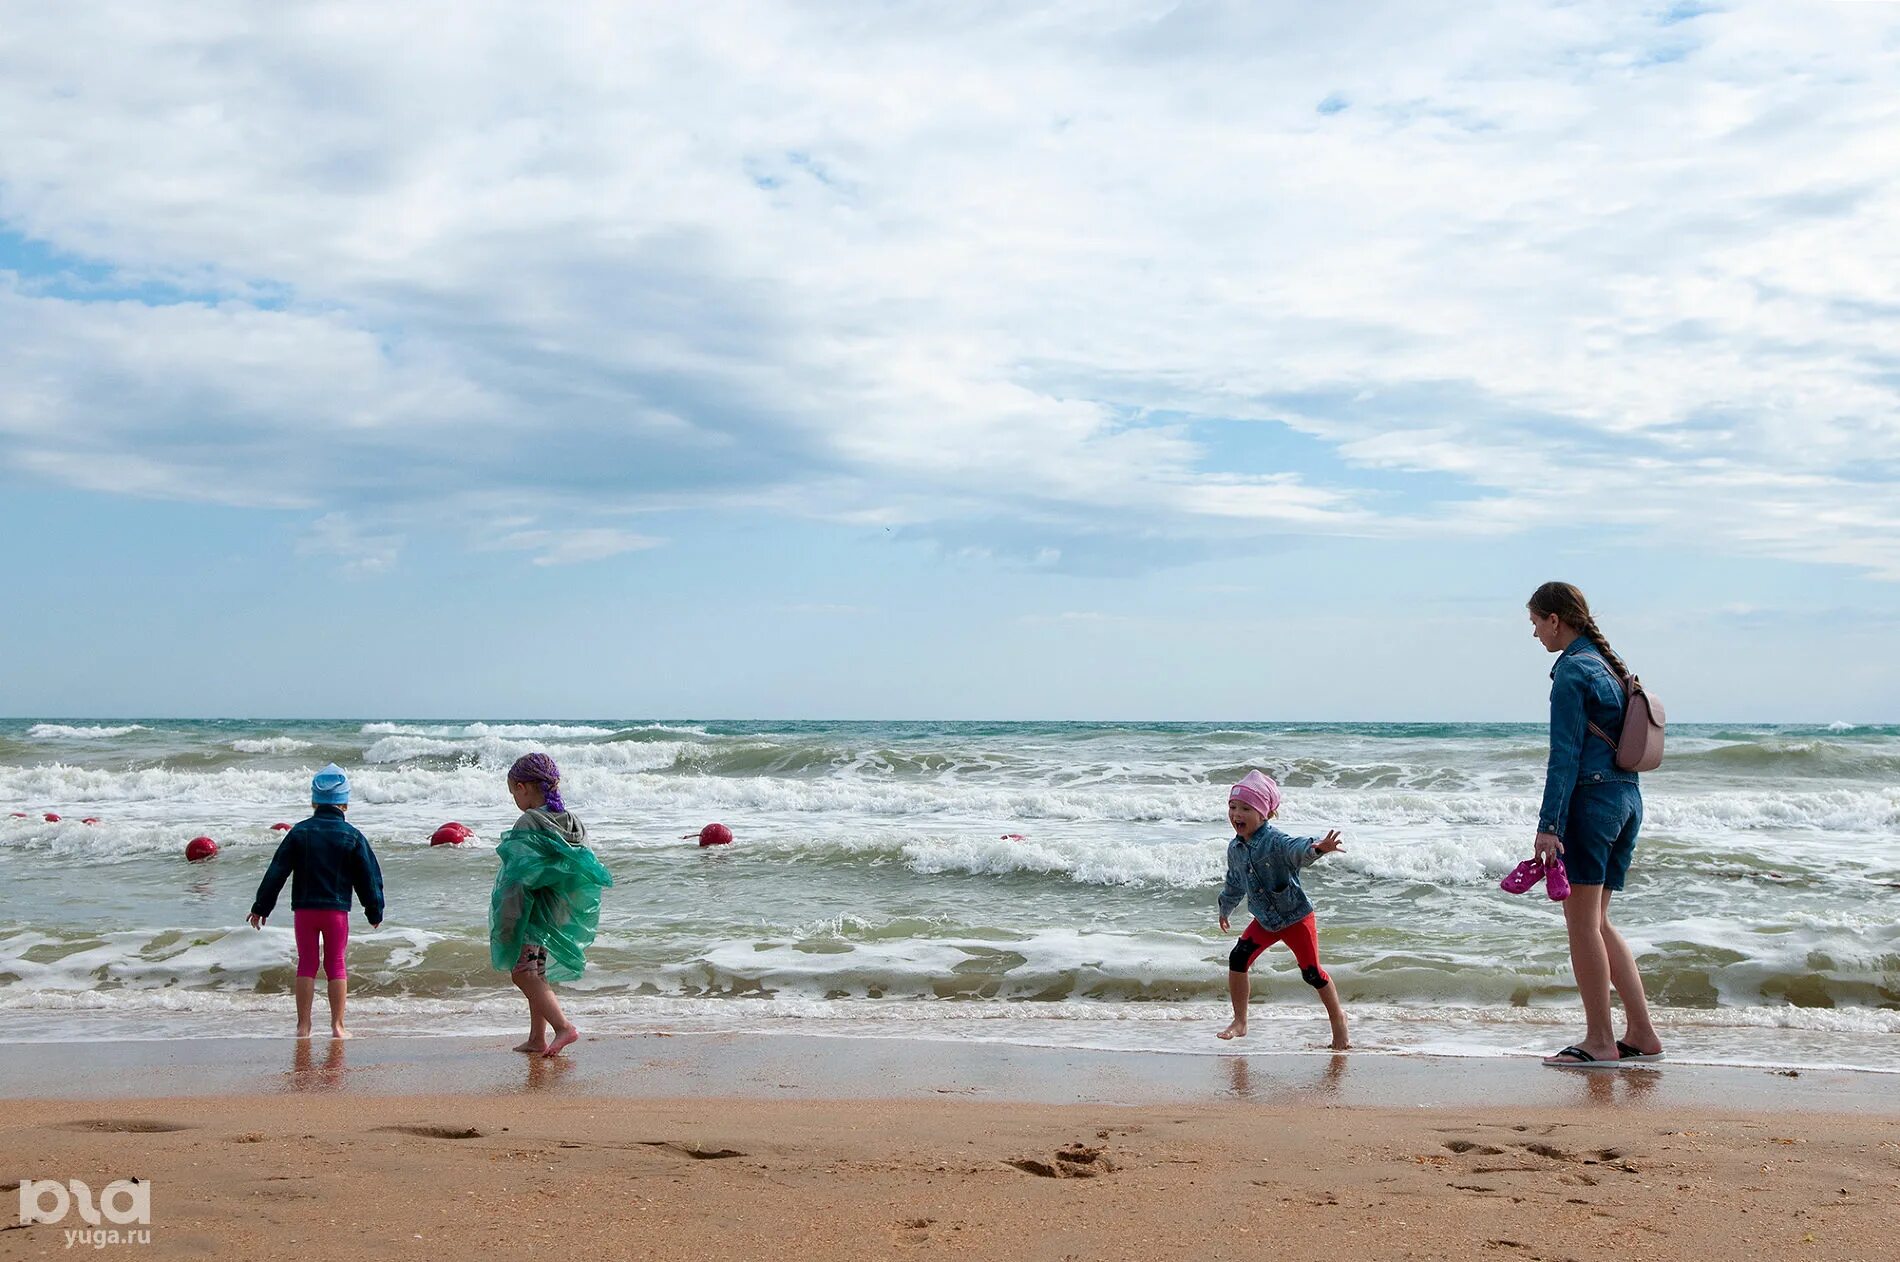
column 1626, row 685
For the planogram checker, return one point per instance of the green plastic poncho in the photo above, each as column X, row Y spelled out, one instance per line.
column 547, row 892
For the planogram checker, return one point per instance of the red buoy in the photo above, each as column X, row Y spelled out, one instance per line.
column 21, row 815
column 713, row 835
column 90, row 819
column 51, row 818
column 451, row 834
column 200, row 848
column 280, row 827
column 1011, row 837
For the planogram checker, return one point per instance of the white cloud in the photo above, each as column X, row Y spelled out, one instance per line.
column 891, row 267
column 570, row 547
column 361, row 551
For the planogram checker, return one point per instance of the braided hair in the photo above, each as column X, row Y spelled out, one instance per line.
column 1568, row 604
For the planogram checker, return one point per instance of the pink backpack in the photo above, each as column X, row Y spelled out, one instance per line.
column 1641, row 748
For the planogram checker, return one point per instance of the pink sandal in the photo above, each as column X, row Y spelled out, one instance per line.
column 1522, row 877
column 1557, row 884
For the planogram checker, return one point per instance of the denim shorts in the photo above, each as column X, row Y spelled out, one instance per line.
column 1600, row 838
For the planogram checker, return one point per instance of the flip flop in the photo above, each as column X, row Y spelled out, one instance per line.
column 1557, row 884
column 1579, row 1059
column 1522, row 877
column 1625, row 1052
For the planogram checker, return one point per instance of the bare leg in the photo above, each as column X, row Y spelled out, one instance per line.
column 1329, row 995
column 537, row 1041
column 1639, row 1034
column 543, row 1004
column 339, row 990
column 1238, row 991
column 1590, row 962
column 306, row 999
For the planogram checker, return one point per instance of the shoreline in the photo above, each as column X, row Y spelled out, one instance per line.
column 678, row 1065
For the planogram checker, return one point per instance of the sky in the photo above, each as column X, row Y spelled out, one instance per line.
column 1104, row 360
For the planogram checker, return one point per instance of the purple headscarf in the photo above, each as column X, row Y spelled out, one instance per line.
column 539, row 769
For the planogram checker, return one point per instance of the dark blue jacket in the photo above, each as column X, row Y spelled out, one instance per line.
column 324, row 858
column 1583, row 690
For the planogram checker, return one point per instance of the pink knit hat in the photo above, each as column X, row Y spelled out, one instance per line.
column 1258, row 791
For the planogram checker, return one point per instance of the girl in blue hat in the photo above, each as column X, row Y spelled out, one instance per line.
column 325, row 860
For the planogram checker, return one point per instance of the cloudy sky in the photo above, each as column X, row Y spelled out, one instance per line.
column 1106, row 359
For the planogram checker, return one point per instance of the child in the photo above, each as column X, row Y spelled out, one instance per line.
column 546, row 905
column 326, row 859
column 1263, row 867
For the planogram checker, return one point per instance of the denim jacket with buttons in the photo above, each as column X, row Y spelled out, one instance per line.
column 1264, row 869
column 1583, row 690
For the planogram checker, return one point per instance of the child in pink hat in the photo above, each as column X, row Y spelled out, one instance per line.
column 1263, row 867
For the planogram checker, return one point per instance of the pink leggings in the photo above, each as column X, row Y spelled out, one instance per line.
column 334, row 928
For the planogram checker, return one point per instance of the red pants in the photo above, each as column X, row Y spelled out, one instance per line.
column 334, row 928
column 1302, row 936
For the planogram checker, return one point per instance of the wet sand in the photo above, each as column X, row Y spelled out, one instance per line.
column 790, row 1147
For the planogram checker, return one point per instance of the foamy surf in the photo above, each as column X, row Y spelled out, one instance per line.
column 1046, row 883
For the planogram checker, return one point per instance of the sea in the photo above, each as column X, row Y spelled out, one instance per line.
column 1047, row 884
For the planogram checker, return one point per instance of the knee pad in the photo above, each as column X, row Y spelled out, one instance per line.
column 1241, row 958
column 1314, row 977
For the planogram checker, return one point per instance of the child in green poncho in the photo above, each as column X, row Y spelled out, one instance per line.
column 546, row 906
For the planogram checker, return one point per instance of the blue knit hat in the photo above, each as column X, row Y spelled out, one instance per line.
column 330, row 787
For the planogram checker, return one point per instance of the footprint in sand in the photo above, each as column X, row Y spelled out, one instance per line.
column 433, row 1132
column 912, row 1232
column 127, row 1126
column 1074, row 1161
column 692, row 1150
column 1466, row 1145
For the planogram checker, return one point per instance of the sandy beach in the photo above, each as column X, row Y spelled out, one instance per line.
column 808, row 1148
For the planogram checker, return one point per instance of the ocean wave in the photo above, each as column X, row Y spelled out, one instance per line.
column 500, row 731
column 1079, row 968
column 498, row 752
column 271, row 745
column 1773, row 1038
column 622, row 779
column 62, row 732
column 1795, row 759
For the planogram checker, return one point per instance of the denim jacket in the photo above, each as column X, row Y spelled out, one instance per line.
column 1264, row 869
column 1583, row 690
column 325, row 859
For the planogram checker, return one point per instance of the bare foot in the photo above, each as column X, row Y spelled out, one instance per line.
column 1339, row 1045
column 561, row 1039
column 303, row 1031
column 338, row 1032
column 1238, row 1030
column 531, row 1046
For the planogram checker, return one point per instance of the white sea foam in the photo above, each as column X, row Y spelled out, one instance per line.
column 61, row 732
column 500, row 751
column 621, row 778
column 271, row 745
column 871, row 863
column 502, row 731
column 1775, row 1038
